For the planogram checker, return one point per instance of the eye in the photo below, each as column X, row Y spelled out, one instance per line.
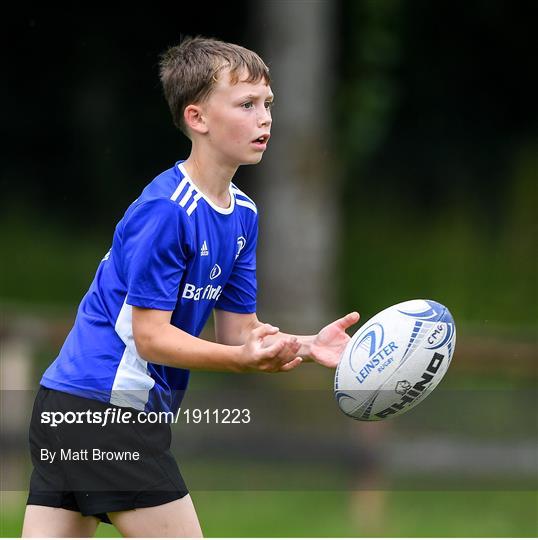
column 247, row 105
column 269, row 104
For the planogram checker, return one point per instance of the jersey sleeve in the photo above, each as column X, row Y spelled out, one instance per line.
column 239, row 293
column 155, row 252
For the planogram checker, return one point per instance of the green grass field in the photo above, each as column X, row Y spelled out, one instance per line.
column 321, row 514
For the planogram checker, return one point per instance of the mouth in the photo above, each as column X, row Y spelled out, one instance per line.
column 261, row 141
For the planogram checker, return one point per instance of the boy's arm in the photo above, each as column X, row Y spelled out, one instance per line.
column 325, row 348
column 160, row 342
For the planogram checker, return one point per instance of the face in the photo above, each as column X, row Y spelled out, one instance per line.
column 237, row 120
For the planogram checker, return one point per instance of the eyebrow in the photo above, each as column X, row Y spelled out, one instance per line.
column 257, row 96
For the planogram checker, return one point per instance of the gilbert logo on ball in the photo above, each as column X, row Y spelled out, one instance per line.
column 395, row 360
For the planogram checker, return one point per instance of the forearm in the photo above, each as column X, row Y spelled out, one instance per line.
column 170, row 346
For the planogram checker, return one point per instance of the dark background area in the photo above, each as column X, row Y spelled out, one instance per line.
column 86, row 126
column 459, row 91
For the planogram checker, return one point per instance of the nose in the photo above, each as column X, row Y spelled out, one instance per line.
column 264, row 117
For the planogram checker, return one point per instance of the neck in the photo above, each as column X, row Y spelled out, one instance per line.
column 211, row 177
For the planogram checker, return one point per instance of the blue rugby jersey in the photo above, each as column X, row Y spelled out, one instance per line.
column 173, row 250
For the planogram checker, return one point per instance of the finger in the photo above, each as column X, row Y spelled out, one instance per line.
column 289, row 352
column 296, row 362
column 265, row 330
column 282, row 351
column 349, row 320
column 293, row 347
column 275, row 349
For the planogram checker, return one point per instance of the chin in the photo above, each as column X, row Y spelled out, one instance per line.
column 253, row 160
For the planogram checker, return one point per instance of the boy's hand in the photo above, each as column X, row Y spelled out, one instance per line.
column 329, row 344
column 279, row 356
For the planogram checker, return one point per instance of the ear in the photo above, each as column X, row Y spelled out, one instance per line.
column 194, row 118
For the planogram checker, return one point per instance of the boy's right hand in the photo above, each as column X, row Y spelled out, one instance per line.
column 279, row 356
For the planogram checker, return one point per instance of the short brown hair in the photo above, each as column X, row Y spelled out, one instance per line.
column 189, row 71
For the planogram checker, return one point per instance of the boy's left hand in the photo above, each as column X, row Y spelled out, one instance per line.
column 329, row 344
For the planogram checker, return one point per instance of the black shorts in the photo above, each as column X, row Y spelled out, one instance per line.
column 81, row 465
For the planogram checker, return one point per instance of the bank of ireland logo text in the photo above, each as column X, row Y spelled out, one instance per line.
column 380, row 355
column 208, row 292
column 241, row 243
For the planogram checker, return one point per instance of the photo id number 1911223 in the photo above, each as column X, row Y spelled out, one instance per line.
column 215, row 416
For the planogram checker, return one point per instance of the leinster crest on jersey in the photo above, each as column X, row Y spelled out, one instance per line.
column 241, row 243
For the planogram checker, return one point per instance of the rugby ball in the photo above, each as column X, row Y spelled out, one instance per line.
column 395, row 360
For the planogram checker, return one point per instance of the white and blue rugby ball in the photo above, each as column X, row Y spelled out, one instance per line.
column 395, row 360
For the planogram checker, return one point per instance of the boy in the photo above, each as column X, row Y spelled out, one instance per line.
column 186, row 246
